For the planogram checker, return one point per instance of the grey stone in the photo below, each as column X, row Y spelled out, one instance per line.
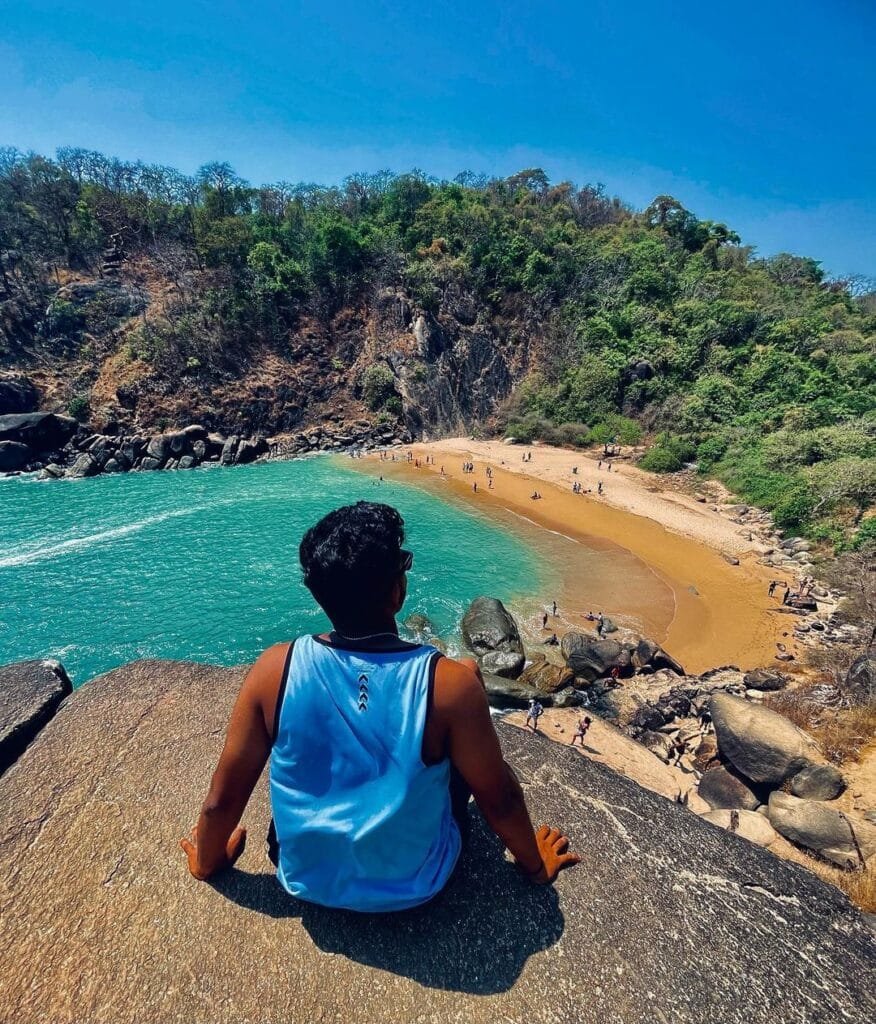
column 488, row 626
column 40, row 431
column 30, row 693
column 818, row 782
column 229, row 451
column 545, row 676
column 149, row 463
column 158, row 447
column 722, row 789
column 840, row 838
column 508, row 664
column 186, row 462
column 17, row 394
column 113, row 466
column 748, row 824
column 13, row 456
column 760, row 744
column 765, row 679
column 669, row 918
column 84, row 465
column 861, row 677
column 591, row 658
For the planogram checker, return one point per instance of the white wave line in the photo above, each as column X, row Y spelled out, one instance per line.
column 77, row 543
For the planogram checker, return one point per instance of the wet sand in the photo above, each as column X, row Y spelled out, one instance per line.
column 705, row 611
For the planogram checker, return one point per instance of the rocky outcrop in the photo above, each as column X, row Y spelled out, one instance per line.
column 545, row 676
column 17, row 394
column 514, row 693
column 765, row 679
column 861, row 677
column 760, row 744
column 489, row 630
column 593, row 657
column 40, row 432
column 30, row 694
column 841, row 838
column 724, row 790
column 106, row 925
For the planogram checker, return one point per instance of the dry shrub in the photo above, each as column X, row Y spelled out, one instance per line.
column 859, row 886
column 841, row 733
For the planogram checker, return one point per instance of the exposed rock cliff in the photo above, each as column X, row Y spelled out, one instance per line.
column 667, row 918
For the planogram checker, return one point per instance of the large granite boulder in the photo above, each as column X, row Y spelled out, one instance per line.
column 13, row 456
column 545, row 676
column 765, row 679
column 760, row 744
column 591, row 657
column 847, row 841
column 40, row 431
column 722, row 789
column 748, row 824
column 488, row 626
column 818, row 782
column 107, row 925
column 503, row 692
column 30, row 694
column 502, row 663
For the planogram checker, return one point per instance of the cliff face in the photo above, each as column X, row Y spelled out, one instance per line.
column 450, row 370
column 666, row 919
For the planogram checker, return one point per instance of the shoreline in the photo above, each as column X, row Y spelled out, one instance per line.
column 721, row 612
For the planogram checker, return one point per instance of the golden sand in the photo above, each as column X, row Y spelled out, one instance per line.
column 716, row 613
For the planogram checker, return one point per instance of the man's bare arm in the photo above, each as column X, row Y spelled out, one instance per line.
column 216, row 841
column 474, row 748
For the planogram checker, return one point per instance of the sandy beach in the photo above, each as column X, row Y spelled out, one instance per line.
column 718, row 613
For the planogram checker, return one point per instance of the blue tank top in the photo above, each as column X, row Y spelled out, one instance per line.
column 362, row 823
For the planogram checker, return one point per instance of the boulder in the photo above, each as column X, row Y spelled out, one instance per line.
column 149, row 463
column 818, row 782
column 547, row 677
column 861, row 677
column 747, row 824
column 760, row 744
column 93, row 884
column 84, row 465
column 488, row 626
column 591, row 658
column 723, row 789
column 30, row 694
column 186, row 462
column 40, row 431
column 658, row 743
column 13, row 456
column 229, row 451
column 765, row 679
column 511, row 693
column 113, row 466
column 17, row 394
column 508, row 664
column 840, row 838
column 706, row 754
column 158, row 447
column 250, row 450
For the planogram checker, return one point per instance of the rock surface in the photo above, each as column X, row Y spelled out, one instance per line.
column 722, row 789
column 668, row 919
column 30, row 693
column 761, row 744
column 838, row 837
column 488, row 626
column 748, row 824
column 818, row 782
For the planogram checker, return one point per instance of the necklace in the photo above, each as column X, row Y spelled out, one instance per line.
column 368, row 636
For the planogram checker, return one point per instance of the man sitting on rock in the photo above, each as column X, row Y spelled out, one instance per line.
column 375, row 744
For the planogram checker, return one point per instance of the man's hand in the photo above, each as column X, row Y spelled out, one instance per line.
column 553, row 847
column 233, row 849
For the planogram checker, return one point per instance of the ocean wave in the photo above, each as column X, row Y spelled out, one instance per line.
column 78, row 543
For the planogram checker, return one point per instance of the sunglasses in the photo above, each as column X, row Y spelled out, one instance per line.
column 407, row 560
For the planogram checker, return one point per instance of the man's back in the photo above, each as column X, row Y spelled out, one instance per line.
column 360, row 820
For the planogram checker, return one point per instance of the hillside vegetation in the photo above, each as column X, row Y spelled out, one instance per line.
column 608, row 323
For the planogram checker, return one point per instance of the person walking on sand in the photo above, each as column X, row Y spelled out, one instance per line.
column 773, row 585
column 555, row 609
column 533, row 714
column 544, row 620
column 581, row 731
column 786, row 597
column 370, row 811
column 599, row 488
column 474, row 487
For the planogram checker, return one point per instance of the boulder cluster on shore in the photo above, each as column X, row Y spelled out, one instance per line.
column 58, row 446
column 757, row 773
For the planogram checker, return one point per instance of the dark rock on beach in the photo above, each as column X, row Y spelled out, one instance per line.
column 30, row 694
column 668, row 919
column 489, row 630
column 818, row 782
column 13, row 456
column 722, row 789
column 841, row 838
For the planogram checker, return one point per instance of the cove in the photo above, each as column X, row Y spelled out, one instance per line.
column 202, row 565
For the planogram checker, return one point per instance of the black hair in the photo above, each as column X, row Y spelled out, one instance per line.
column 351, row 558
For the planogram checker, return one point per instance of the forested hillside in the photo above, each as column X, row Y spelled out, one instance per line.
column 136, row 295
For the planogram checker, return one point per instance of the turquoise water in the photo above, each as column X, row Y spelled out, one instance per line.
column 203, row 564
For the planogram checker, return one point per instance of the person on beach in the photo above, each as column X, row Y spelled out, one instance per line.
column 773, row 585
column 581, row 731
column 370, row 808
column 533, row 714
column 490, row 484
column 474, row 487
column 544, row 620
column 600, row 623
column 599, row 488
column 554, row 609
column 786, row 597
column 552, row 640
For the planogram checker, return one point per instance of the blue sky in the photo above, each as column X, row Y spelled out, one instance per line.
column 760, row 114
